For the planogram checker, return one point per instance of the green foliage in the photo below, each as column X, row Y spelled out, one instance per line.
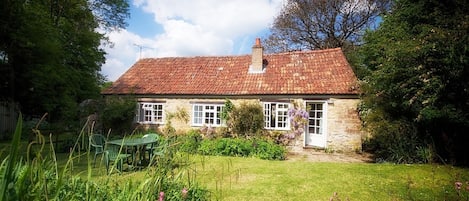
column 165, row 178
column 51, row 55
column 111, row 14
column 243, row 148
column 228, row 107
column 168, row 128
column 77, row 188
column 181, row 115
column 268, row 150
column 118, row 114
column 395, row 142
column 9, row 163
column 190, row 142
column 247, row 119
column 174, row 191
column 416, row 71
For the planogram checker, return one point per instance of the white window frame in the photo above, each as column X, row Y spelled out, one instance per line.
column 278, row 115
column 317, row 116
column 150, row 113
column 207, row 115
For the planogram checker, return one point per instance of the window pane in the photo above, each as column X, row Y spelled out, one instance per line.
column 315, row 118
column 267, row 115
column 150, row 113
column 209, row 118
column 207, row 114
column 276, row 116
column 312, row 114
column 198, row 114
column 313, row 107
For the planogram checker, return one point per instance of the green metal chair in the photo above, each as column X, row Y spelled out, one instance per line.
column 151, row 147
column 113, row 154
column 97, row 142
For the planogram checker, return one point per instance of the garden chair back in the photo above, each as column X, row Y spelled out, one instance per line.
column 151, row 147
column 114, row 155
column 97, row 142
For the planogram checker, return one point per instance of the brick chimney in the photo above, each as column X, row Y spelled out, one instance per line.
column 257, row 65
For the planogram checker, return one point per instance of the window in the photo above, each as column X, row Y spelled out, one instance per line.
column 276, row 116
column 150, row 113
column 315, row 125
column 207, row 114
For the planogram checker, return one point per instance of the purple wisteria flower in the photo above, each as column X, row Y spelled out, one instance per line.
column 298, row 120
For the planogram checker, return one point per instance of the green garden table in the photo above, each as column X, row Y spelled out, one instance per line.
column 135, row 146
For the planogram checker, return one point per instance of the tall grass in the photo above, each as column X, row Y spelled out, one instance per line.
column 10, row 162
column 41, row 177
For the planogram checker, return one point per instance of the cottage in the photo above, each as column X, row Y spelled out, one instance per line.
column 320, row 80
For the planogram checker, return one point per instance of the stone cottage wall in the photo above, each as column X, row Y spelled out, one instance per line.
column 344, row 125
column 173, row 105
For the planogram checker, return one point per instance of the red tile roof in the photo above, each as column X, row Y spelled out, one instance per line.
column 316, row 72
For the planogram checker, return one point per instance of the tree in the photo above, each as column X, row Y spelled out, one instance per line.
column 418, row 78
column 50, row 52
column 320, row 24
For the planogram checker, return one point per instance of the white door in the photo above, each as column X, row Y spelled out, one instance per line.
column 316, row 135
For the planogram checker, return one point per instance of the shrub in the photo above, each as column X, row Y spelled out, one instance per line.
column 118, row 113
column 269, row 151
column 174, row 190
column 243, row 147
column 190, row 143
column 247, row 119
column 393, row 143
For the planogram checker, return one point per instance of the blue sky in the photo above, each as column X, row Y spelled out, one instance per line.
column 170, row 28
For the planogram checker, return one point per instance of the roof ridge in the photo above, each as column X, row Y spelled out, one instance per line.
column 243, row 55
column 310, row 51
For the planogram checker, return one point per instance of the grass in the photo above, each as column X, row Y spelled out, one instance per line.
column 234, row 178
column 253, row 179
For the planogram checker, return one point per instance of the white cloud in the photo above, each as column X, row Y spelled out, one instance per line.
column 184, row 39
column 190, row 28
column 125, row 50
column 229, row 18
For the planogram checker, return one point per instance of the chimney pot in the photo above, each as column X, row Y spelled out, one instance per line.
column 258, row 42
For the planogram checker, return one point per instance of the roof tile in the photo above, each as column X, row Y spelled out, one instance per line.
column 301, row 72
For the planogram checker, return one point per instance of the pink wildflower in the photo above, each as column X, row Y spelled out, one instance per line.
column 161, row 196
column 457, row 185
column 184, row 193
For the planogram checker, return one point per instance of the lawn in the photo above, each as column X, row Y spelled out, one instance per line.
column 231, row 178
column 236, row 178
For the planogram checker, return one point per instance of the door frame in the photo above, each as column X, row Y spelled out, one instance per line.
column 323, row 143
